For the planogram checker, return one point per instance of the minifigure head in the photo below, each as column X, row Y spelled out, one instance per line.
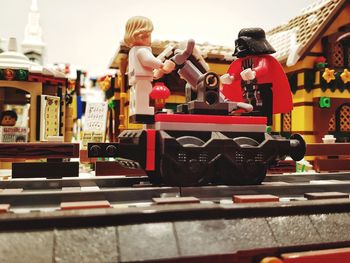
column 8, row 118
column 138, row 31
column 252, row 41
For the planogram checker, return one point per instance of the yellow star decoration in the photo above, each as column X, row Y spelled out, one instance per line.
column 345, row 76
column 328, row 75
column 106, row 83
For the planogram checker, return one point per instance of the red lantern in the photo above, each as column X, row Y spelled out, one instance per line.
column 159, row 93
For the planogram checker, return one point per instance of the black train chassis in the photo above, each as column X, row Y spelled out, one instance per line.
column 201, row 158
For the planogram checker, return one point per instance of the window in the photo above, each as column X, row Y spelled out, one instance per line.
column 337, row 48
column 287, row 122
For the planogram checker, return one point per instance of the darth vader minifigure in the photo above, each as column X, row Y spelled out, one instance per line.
column 256, row 77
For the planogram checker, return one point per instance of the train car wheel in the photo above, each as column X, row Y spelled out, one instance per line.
column 249, row 173
column 241, row 168
column 253, row 173
column 187, row 141
column 246, row 142
column 173, row 173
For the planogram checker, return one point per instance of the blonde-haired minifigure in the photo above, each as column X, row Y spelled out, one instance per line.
column 138, row 31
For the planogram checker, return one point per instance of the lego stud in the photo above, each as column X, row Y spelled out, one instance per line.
column 325, row 102
column 111, row 150
column 95, row 151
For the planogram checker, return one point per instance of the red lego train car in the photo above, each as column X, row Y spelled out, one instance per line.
column 203, row 143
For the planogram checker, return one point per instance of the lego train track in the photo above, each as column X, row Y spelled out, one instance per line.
column 134, row 195
column 160, row 213
column 134, row 207
column 36, row 207
column 100, row 181
column 130, row 181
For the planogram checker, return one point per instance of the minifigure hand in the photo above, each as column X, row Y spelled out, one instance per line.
column 245, row 106
column 248, row 74
column 226, row 79
column 158, row 73
column 168, row 66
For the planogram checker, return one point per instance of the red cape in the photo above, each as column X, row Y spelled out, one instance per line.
column 282, row 96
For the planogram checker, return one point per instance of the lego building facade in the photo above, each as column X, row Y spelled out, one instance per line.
column 314, row 50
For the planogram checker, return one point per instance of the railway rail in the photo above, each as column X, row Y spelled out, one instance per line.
column 129, row 181
column 214, row 229
column 47, row 194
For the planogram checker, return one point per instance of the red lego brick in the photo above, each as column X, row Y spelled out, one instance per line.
column 85, row 205
column 254, row 198
column 83, row 157
column 191, row 118
column 48, row 80
column 52, row 80
column 35, row 77
column 4, row 208
column 150, row 151
column 327, row 255
column 37, row 150
column 331, row 149
column 60, row 81
column 321, row 164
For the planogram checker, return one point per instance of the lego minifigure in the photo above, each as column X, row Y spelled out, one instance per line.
column 8, row 118
column 141, row 65
column 257, row 77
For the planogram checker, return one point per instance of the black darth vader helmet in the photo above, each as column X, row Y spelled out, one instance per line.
column 252, row 41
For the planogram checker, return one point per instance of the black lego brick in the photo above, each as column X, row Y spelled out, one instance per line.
column 211, row 237
column 31, row 246
column 45, row 169
column 141, row 118
column 86, row 245
column 147, row 242
column 332, row 227
column 293, row 230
